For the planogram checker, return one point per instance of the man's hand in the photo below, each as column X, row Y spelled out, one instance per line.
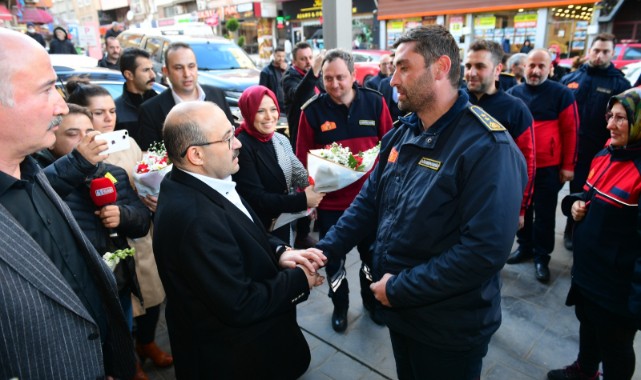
column 521, row 221
column 378, row 288
column 110, row 216
column 90, row 148
column 313, row 278
column 579, row 209
column 311, row 259
column 566, row 175
column 150, row 201
column 318, row 63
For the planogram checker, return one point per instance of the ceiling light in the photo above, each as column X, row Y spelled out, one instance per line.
column 570, row 6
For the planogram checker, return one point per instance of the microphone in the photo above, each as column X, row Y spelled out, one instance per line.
column 103, row 193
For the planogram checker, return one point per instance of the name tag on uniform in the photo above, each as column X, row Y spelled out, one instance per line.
column 328, row 126
column 369, row 123
column 604, row 90
column 430, row 164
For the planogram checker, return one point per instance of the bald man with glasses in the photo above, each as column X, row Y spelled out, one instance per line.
column 232, row 289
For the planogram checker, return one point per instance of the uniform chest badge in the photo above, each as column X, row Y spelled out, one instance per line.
column 368, row 123
column 604, row 90
column 591, row 174
column 573, row 85
column 393, row 155
column 328, row 126
column 430, row 164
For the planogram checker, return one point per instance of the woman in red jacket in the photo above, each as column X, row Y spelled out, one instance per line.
column 606, row 275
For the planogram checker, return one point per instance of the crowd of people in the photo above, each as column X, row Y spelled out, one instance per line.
column 470, row 158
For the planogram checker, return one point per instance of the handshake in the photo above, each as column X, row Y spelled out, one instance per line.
column 309, row 260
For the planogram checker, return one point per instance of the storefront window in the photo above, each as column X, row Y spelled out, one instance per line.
column 510, row 28
column 568, row 29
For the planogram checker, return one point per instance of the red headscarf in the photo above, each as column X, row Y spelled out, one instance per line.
column 248, row 103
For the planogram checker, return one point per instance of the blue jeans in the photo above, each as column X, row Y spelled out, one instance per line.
column 416, row 360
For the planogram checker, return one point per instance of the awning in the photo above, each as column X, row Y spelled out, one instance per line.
column 400, row 9
column 5, row 14
column 36, row 16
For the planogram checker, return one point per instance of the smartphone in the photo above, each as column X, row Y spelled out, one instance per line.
column 117, row 140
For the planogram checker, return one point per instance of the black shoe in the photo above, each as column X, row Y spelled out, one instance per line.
column 571, row 372
column 519, row 255
column 339, row 319
column 567, row 242
column 542, row 272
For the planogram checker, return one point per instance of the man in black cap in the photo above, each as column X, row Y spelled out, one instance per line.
column 33, row 33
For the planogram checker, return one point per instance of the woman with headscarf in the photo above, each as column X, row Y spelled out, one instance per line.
column 557, row 71
column 269, row 171
column 606, row 275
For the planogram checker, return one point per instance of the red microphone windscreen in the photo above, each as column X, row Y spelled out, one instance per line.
column 103, row 191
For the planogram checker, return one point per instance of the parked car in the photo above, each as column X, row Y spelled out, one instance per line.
column 366, row 64
column 221, row 63
column 624, row 54
column 72, row 61
column 111, row 80
column 632, row 72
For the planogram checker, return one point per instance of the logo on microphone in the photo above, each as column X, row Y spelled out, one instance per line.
column 105, row 191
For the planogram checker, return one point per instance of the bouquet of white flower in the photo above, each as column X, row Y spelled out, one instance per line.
column 113, row 258
column 151, row 170
column 337, row 167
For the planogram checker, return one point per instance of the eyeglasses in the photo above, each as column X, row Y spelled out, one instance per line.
column 618, row 120
column 227, row 140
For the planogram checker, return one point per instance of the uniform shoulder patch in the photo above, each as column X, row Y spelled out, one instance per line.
column 486, row 119
column 507, row 74
column 310, row 101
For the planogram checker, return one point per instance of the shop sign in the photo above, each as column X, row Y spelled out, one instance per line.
column 485, row 22
column 313, row 9
column 525, row 20
column 456, row 24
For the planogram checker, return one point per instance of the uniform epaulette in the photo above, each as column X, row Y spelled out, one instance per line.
column 370, row 89
column 311, row 100
column 486, row 119
column 507, row 74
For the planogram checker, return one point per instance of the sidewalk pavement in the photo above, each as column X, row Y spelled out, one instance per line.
column 538, row 332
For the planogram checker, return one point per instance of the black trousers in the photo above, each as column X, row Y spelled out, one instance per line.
column 607, row 338
column 537, row 234
column 416, row 360
column 145, row 331
column 340, row 298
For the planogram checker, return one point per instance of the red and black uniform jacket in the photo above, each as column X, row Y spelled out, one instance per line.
column 514, row 115
column 556, row 122
column 607, row 241
column 360, row 127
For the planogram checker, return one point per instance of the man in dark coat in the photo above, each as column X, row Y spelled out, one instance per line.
column 272, row 77
column 593, row 84
column 33, row 33
column 59, row 300
column 110, row 59
column 182, row 71
column 60, row 43
column 232, row 290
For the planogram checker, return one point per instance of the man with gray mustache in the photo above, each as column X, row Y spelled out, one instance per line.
column 59, row 311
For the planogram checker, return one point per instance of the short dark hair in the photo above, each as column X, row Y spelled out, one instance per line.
column 173, row 47
column 495, row 50
column 75, row 109
column 335, row 54
column 80, row 92
column 433, row 41
column 300, row 46
column 279, row 49
column 605, row 37
column 128, row 59
column 111, row 39
column 179, row 136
